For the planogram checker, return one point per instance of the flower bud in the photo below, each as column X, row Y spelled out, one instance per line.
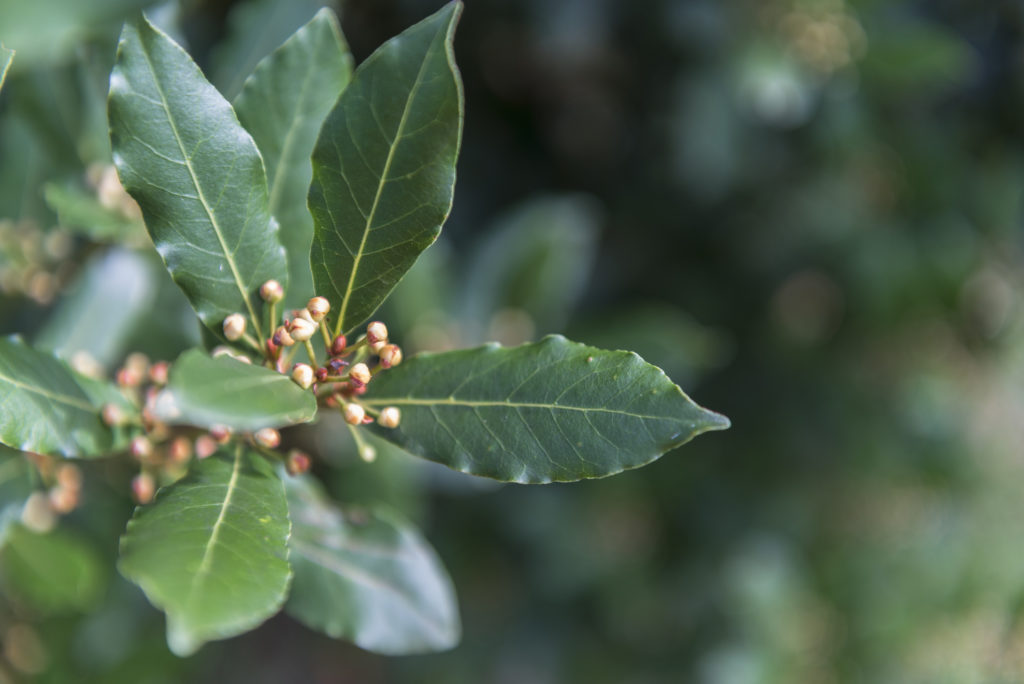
column 158, row 372
column 375, row 347
column 220, row 433
column 390, row 355
column 283, row 338
column 376, row 332
column 338, row 345
column 303, row 313
column 359, row 374
column 268, row 437
column 318, row 307
column 234, row 326
column 180, row 451
column 141, row 448
column 367, row 453
column 128, row 377
column 143, row 488
column 205, row 446
column 336, row 365
column 390, row 417
column 321, row 374
column 64, row 499
column 112, row 415
column 298, row 462
column 302, row 375
column 69, row 476
column 138, row 364
column 37, row 513
column 302, row 329
column 354, row 414
column 271, row 291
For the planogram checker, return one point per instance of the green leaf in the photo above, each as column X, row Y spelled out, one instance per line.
column 44, row 409
column 255, row 29
column 212, row 550
column 367, row 576
column 553, row 411
column 54, row 572
column 283, row 105
column 196, row 174
column 81, row 212
column 6, row 57
column 15, row 487
column 384, row 168
column 205, row 391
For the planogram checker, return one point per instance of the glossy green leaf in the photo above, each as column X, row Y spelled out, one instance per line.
column 212, row 550
column 367, row 576
column 44, row 409
column 197, row 176
column 15, row 487
column 205, row 391
column 6, row 57
column 54, row 572
column 530, row 269
column 384, row 168
column 553, row 411
column 283, row 105
column 255, row 29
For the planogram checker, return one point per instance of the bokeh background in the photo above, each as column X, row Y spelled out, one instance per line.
column 806, row 211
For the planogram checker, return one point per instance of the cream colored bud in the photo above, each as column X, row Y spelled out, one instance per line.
column 359, row 374
column 376, row 332
column 234, row 326
column 220, row 434
column 143, row 488
column 318, row 307
column 180, row 450
column 375, row 347
column 302, row 375
column 64, row 499
column 271, row 291
column 390, row 355
column 206, row 446
column 141, row 448
column 390, row 417
column 354, row 414
column 302, row 329
column 367, row 453
column 267, row 437
column 282, row 338
column 138, row 364
column 112, row 415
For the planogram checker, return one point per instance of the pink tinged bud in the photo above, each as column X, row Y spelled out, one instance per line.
column 128, row 377
column 338, row 345
column 321, row 374
column 234, row 326
column 301, row 329
column 64, row 499
column 390, row 355
column 390, row 417
column 180, row 451
column 220, row 433
column 302, row 375
column 112, row 415
column 375, row 347
column 141, row 448
column 376, row 332
column 206, row 446
column 271, row 291
column 143, row 488
column 298, row 462
column 318, row 307
column 158, row 372
column 359, row 374
column 268, row 437
column 69, row 476
column 283, row 338
column 354, row 414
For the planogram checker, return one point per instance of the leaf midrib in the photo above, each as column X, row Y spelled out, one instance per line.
column 62, row 398
column 383, row 180
column 207, row 560
column 470, row 403
column 228, row 256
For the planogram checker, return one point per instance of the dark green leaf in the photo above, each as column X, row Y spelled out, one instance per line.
column 206, row 391
column 53, row 572
column 283, row 105
column 367, row 576
column 197, row 175
column 44, row 409
column 212, row 550
column 554, row 411
column 384, row 168
column 255, row 28
column 15, row 487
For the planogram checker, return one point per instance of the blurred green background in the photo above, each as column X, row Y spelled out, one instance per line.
column 806, row 211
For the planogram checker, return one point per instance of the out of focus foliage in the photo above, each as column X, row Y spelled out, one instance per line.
column 807, row 211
